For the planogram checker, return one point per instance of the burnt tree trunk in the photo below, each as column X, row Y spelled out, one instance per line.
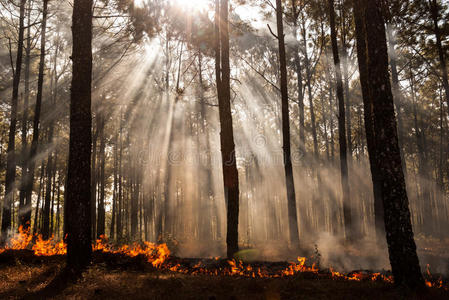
column 341, row 127
column 115, row 190
column 37, row 115
column 47, row 199
column 101, row 220
column 11, row 159
column 228, row 155
column 289, row 182
column 119, row 229
column 78, row 221
column 401, row 245
column 368, row 119
column 23, row 221
column 298, row 70
column 93, row 180
column 441, row 55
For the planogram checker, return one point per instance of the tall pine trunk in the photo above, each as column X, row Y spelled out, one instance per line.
column 78, row 221
column 229, row 163
column 11, row 156
column 368, row 119
column 23, row 221
column 101, row 220
column 441, row 55
column 289, row 182
column 341, row 127
column 298, row 70
column 401, row 245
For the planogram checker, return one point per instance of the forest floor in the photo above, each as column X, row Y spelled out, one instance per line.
column 112, row 276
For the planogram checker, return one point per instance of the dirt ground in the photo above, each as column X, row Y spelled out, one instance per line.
column 23, row 276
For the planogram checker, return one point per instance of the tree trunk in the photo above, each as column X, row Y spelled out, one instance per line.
column 346, row 86
column 37, row 114
column 401, row 245
column 298, row 70
column 119, row 229
column 93, row 199
column 101, row 209
column 115, row 191
column 11, row 159
column 309, row 88
column 341, row 128
column 78, row 221
column 441, row 55
column 47, row 200
column 289, row 182
column 25, row 223
column 229, row 163
column 368, row 119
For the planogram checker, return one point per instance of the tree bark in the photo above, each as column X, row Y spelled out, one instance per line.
column 119, row 229
column 23, row 221
column 11, row 156
column 115, row 190
column 441, row 55
column 341, row 128
column 101, row 209
column 229, row 163
column 401, row 245
column 289, row 182
column 298, row 70
column 368, row 119
column 79, row 243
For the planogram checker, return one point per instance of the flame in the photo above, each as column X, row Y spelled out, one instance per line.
column 155, row 254
column 431, row 282
column 158, row 256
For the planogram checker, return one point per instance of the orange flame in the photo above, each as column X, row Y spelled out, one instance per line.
column 158, row 256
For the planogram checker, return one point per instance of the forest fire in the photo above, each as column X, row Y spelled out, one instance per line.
column 159, row 257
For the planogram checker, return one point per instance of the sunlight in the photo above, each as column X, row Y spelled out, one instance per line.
column 187, row 4
column 193, row 4
column 139, row 3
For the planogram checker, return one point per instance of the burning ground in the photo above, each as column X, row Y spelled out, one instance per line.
column 31, row 268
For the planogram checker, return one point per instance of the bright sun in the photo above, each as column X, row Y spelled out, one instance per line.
column 189, row 4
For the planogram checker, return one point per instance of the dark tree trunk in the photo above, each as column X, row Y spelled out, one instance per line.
column 37, row 114
column 290, row 185
column 101, row 209
column 401, row 245
column 93, row 199
column 47, row 200
column 115, row 191
column 368, row 119
column 298, row 70
column 119, row 230
column 11, row 159
column 345, row 60
column 58, row 209
column 135, row 203
column 229, row 163
column 441, row 55
column 341, row 127
column 78, row 221
column 25, row 223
